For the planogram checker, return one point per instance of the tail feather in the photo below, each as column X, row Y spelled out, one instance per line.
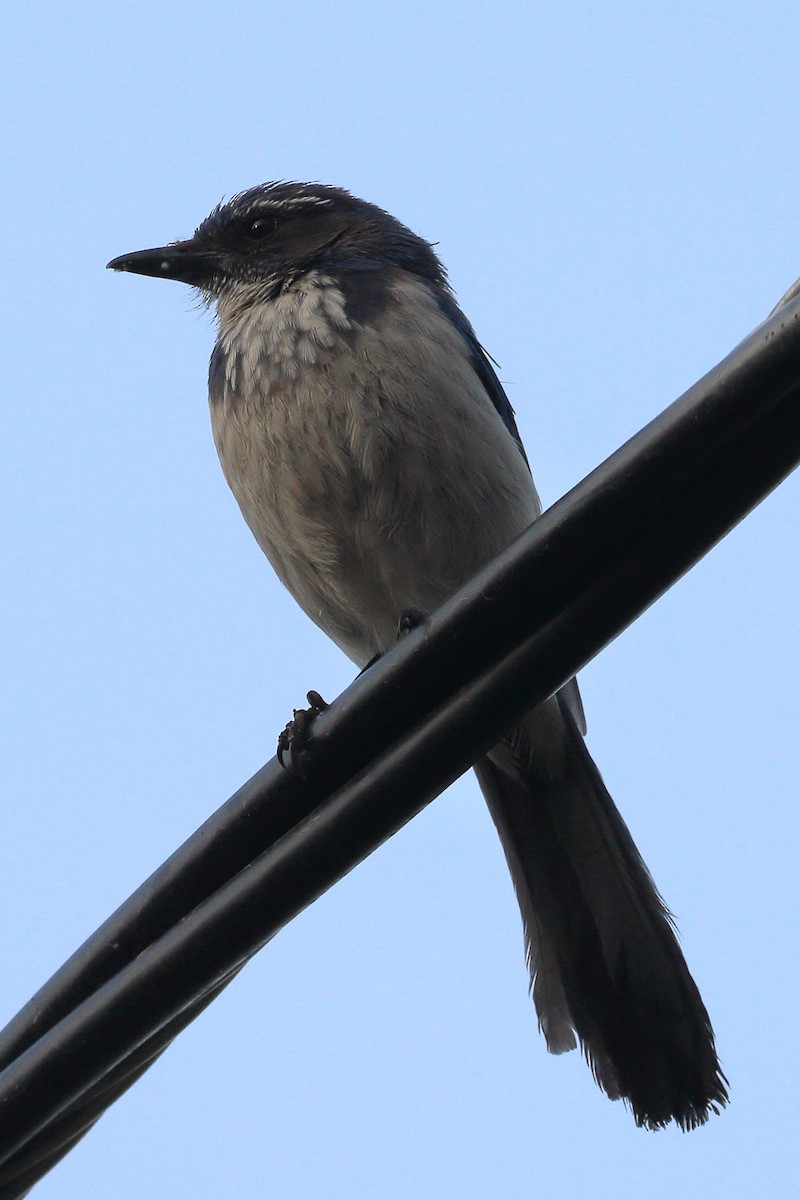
column 602, row 950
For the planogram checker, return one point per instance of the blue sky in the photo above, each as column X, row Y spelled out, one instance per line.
column 614, row 190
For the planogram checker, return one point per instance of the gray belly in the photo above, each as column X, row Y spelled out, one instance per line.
column 372, row 483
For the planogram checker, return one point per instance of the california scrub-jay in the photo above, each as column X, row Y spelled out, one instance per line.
column 374, row 455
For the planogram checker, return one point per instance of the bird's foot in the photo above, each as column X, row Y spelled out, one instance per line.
column 293, row 740
column 410, row 618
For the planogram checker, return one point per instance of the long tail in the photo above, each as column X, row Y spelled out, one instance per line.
column 601, row 948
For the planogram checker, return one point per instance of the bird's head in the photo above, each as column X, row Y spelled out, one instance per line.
column 265, row 239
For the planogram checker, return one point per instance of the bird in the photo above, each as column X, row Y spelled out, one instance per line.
column 375, row 457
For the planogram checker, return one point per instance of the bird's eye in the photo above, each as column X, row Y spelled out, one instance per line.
column 259, row 228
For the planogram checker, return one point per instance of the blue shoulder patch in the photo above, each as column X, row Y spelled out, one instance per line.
column 482, row 366
column 216, row 374
column 364, row 287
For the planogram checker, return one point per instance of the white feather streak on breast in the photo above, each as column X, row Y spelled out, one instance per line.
column 372, row 468
column 289, row 333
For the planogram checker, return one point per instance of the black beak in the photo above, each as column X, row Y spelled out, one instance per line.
column 183, row 261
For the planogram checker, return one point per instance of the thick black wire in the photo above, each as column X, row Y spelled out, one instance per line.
column 510, row 638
